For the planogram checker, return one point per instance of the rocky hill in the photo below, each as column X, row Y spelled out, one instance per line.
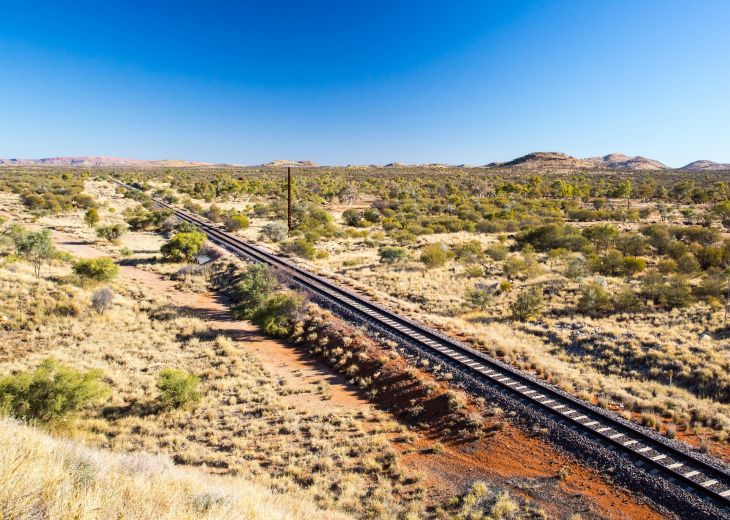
column 546, row 161
column 617, row 160
column 97, row 161
column 706, row 166
column 283, row 163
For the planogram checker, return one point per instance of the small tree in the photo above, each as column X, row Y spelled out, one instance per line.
column 389, row 255
column 528, row 304
column 100, row 269
column 37, row 248
column 178, row 388
column 477, row 298
column 183, row 246
column 91, row 217
column 102, row 300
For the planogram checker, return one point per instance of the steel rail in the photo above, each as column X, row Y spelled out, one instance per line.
column 680, row 466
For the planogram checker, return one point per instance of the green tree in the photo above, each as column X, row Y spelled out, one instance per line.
column 91, row 217
column 528, row 304
column 623, row 191
column 602, row 235
column 183, row 246
column 100, row 269
column 37, row 248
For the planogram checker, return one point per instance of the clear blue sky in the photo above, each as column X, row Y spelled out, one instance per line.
column 365, row 82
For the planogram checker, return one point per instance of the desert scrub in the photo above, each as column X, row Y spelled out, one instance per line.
column 178, row 388
column 49, row 393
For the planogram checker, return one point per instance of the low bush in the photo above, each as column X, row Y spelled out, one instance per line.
column 436, row 255
column 100, row 269
column 183, row 246
column 178, row 388
column 49, row 393
column 276, row 315
column 110, row 232
column 389, row 255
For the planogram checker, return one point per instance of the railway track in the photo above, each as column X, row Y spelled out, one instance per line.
column 641, row 447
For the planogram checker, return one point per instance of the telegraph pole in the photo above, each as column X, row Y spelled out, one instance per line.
column 288, row 175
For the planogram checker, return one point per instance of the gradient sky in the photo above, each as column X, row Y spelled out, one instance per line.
column 355, row 82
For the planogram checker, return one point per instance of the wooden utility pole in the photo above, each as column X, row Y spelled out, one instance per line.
column 288, row 175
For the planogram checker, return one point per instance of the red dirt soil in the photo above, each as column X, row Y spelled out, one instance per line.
column 525, row 464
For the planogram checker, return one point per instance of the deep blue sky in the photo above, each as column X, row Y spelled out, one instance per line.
column 365, row 82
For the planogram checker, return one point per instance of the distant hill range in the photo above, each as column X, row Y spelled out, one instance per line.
column 99, row 161
column 545, row 161
column 550, row 161
column 706, row 166
column 284, row 163
column 620, row 161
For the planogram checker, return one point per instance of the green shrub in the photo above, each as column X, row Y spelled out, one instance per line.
column 497, row 252
column 236, row 223
column 688, row 265
column 633, row 265
column 594, row 299
column 626, row 301
column 183, row 246
column 372, row 215
column 100, row 269
column 178, row 388
column 255, row 287
column 301, row 247
column 351, row 217
column 505, row 287
column 110, row 232
column 276, row 315
column 186, row 227
column 49, row 393
column 528, row 304
column 474, row 271
column 274, row 231
column 388, row 255
column 677, row 292
column 436, row 255
column 477, row 298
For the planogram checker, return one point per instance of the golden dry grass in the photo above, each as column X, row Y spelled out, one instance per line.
column 43, row 477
